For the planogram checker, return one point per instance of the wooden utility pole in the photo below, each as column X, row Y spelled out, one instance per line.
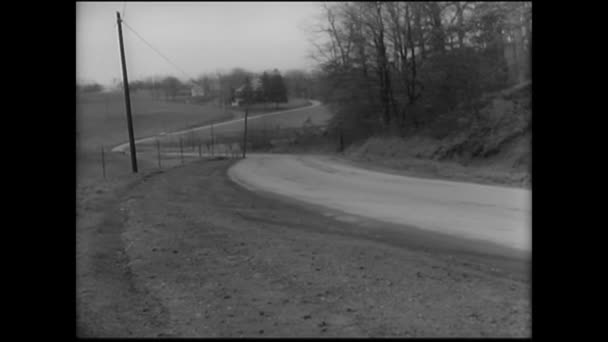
column 245, row 132
column 125, row 84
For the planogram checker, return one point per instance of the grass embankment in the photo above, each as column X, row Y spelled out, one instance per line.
column 492, row 148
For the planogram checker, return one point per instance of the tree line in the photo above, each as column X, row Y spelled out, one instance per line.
column 89, row 88
column 395, row 65
column 268, row 86
column 273, row 86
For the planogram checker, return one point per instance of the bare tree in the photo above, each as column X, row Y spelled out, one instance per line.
column 385, row 61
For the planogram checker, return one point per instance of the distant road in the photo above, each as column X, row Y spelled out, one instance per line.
column 495, row 214
column 236, row 123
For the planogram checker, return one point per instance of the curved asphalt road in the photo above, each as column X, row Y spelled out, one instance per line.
column 495, row 214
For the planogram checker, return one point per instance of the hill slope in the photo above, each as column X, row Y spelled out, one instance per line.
column 492, row 145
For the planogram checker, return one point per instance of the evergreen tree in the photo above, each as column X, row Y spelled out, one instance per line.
column 277, row 91
column 265, row 87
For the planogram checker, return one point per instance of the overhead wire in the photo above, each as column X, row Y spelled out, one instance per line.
column 190, row 79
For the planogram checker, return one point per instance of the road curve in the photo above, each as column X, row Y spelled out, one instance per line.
column 124, row 148
column 495, row 214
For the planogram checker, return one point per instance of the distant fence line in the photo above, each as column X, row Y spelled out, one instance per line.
column 174, row 150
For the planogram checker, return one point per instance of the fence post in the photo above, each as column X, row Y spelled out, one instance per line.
column 103, row 162
column 181, row 150
column 158, row 152
column 245, row 132
column 212, row 142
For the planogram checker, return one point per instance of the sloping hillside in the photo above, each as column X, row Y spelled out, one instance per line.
column 491, row 145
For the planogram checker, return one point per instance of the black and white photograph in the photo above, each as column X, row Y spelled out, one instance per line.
column 303, row 169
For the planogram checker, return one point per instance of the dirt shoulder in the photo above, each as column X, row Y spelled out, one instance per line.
column 107, row 300
column 188, row 253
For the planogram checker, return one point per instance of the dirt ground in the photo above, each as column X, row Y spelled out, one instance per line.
column 184, row 252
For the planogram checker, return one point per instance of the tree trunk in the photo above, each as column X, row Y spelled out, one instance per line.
column 411, row 91
column 438, row 33
column 385, row 82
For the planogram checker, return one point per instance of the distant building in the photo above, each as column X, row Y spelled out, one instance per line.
column 197, row 90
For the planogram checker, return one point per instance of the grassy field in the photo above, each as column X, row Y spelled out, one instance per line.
column 273, row 127
column 272, row 107
column 101, row 119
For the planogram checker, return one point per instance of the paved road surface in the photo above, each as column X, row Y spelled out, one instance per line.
column 495, row 214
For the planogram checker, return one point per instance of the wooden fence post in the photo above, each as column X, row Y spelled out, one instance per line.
column 181, row 149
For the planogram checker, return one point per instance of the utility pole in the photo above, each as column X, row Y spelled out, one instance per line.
column 221, row 93
column 245, row 132
column 125, row 83
column 248, row 97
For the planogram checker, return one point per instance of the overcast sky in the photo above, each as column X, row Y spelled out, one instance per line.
column 197, row 36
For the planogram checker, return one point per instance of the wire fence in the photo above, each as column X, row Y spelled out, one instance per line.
column 174, row 150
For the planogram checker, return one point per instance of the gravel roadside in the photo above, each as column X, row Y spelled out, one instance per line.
column 195, row 255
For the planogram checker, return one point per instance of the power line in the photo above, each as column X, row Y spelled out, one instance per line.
column 158, row 52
